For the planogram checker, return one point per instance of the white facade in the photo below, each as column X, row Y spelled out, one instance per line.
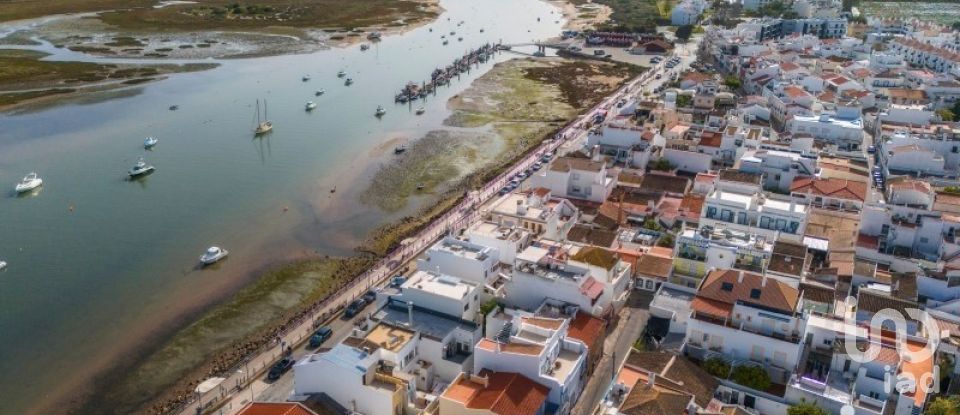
column 779, row 168
column 442, row 293
column 576, row 179
column 846, row 132
column 747, row 209
column 507, row 240
column 554, row 272
column 539, row 349
column 462, row 259
column 537, row 212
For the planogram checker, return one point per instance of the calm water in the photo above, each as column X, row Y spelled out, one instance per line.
column 98, row 263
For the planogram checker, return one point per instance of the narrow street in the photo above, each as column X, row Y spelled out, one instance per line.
column 633, row 319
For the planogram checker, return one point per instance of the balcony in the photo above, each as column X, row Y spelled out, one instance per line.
column 793, row 337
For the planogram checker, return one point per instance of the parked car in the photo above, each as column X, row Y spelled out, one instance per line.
column 659, row 76
column 369, row 297
column 398, row 280
column 871, row 149
column 354, row 308
column 280, row 368
column 320, row 336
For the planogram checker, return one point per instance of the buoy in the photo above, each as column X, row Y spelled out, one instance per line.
column 285, row 208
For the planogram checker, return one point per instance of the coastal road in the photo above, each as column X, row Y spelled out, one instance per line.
column 237, row 388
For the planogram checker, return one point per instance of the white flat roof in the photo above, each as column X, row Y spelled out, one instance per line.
column 439, row 284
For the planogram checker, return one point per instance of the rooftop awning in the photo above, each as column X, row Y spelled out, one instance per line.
column 592, row 288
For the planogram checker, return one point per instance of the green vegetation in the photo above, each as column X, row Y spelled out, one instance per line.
column 488, row 306
column 732, row 82
column 637, row 15
column 952, row 190
column 716, row 367
column 26, row 9
column 754, row 377
column 684, row 101
column 227, row 14
column 806, row 408
column 210, row 346
column 943, row 405
column 946, row 114
column 652, row 224
column 661, row 164
column 774, row 9
column 666, row 241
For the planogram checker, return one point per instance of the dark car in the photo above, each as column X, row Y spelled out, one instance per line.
column 369, row 297
column 320, row 336
column 398, row 280
column 871, row 149
column 354, row 307
column 280, row 368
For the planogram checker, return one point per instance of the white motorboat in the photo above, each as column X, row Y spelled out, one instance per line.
column 3, row 264
column 310, row 106
column 320, row 92
column 421, row 110
column 29, row 182
column 306, row 78
column 399, row 149
column 213, row 255
column 374, row 36
column 348, row 82
column 380, row 111
column 149, row 142
column 341, row 74
column 140, row 169
column 263, row 126
column 364, row 46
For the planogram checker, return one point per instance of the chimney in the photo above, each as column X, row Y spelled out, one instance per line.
column 763, row 281
column 740, row 278
column 410, row 313
column 620, row 211
column 651, row 379
column 595, row 153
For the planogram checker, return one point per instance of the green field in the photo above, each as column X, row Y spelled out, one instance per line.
column 638, row 15
column 946, row 12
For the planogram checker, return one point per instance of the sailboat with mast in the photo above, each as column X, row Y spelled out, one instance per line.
column 263, row 125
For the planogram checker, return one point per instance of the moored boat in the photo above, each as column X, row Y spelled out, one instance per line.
column 29, row 182
column 310, row 106
column 149, row 142
column 380, row 111
column 140, row 169
column 213, row 255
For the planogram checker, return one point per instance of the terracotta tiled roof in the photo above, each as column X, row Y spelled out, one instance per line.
column 505, row 393
column 586, row 328
column 711, row 139
column 644, row 399
column 654, row 265
column 655, row 182
column 692, row 379
column 278, row 408
column 789, row 66
column 565, row 164
column 592, row 236
column 788, row 258
column 725, row 286
column 832, row 187
column 733, row 175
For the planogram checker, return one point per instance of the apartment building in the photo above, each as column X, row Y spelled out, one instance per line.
column 738, row 203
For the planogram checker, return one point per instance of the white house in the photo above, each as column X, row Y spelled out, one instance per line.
column 595, row 279
column 540, row 349
column 779, row 168
column 745, row 317
column 738, row 203
column 577, row 178
column 537, row 211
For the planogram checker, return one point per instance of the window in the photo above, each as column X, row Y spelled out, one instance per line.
column 764, row 222
column 711, row 212
column 726, row 215
column 466, row 306
column 755, row 293
column 742, row 218
column 924, row 240
column 781, row 224
column 726, row 286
